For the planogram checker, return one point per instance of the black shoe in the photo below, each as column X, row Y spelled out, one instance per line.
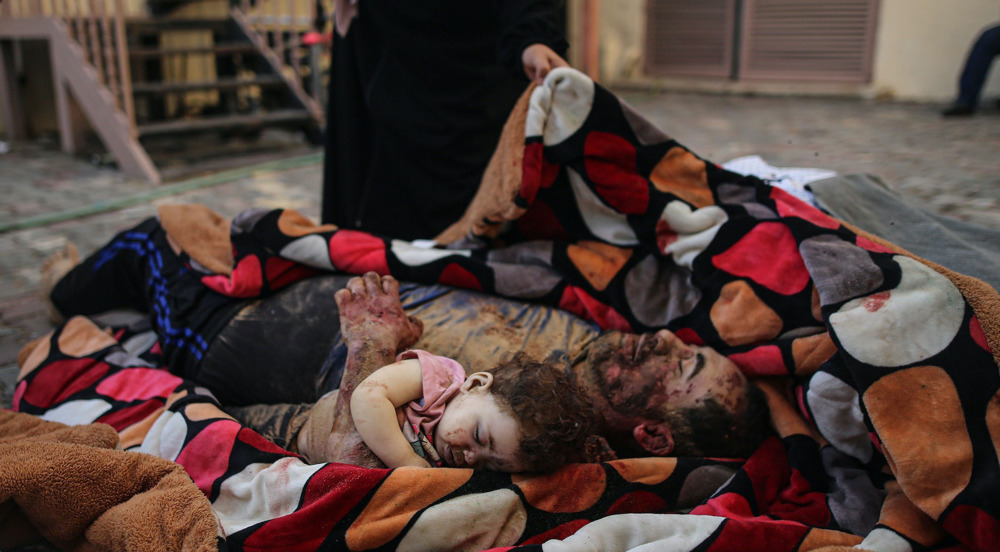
column 958, row 110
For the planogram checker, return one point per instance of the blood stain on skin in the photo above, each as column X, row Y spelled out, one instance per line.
column 612, row 375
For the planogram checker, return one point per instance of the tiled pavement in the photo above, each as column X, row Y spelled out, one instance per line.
column 947, row 166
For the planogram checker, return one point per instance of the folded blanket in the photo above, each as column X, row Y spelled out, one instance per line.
column 887, row 439
column 71, row 487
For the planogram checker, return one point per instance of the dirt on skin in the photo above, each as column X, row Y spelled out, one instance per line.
column 479, row 331
column 375, row 328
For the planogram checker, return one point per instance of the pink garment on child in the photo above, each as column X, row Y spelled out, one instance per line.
column 442, row 379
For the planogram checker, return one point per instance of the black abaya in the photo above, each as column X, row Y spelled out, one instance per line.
column 419, row 92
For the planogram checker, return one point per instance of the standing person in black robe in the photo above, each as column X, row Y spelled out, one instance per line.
column 419, row 93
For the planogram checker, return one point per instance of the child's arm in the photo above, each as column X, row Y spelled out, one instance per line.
column 373, row 407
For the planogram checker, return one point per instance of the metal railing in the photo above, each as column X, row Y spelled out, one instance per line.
column 98, row 27
column 288, row 29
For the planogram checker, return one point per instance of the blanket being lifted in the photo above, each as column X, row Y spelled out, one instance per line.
column 889, row 438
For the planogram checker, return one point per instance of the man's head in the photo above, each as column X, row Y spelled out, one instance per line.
column 665, row 397
column 520, row 416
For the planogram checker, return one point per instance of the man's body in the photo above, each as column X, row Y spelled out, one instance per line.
column 287, row 348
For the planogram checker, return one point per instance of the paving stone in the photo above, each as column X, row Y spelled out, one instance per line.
column 985, row 218
column 985, row 203
column 36, row 325
column 22, row 307
column 9, row 347
column 8, row 377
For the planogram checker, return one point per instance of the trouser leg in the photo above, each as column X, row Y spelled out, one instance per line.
column 284, row 348
column 114, row 277
column 138, row 269
column 977, row 66
column 278, row 423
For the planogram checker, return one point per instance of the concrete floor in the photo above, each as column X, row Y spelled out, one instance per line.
column 943, row 165
column 948, row 166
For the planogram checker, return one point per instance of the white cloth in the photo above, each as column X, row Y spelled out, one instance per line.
column 790, row 179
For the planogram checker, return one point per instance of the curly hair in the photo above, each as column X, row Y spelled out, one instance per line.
column 555, row 414
column 712, row 430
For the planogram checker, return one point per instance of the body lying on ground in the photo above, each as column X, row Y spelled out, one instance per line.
column 712, row 410
column 887, row 442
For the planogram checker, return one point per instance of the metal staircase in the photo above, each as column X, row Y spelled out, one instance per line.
column 165, row 91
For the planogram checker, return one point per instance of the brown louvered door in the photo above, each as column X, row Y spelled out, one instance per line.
column 807, row 40
column 690, row 37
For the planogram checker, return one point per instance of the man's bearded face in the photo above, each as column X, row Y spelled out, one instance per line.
column 653, row 376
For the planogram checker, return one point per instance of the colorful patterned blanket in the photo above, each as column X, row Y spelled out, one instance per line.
column 881, row 368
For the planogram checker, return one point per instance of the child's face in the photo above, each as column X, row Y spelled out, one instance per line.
column 474, row 432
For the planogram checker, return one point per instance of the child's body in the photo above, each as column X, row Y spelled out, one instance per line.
column 424, row 411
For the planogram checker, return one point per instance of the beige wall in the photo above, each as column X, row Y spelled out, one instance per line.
column 622, row 33
column 919, row 51
column 921, row 46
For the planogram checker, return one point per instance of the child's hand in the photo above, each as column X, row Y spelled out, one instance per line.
column 373, row 407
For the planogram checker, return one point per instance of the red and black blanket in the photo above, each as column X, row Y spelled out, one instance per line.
column 889, row 438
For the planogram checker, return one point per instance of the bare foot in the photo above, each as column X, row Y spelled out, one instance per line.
column 53, row 269
column 375, row 328
column 372, row 316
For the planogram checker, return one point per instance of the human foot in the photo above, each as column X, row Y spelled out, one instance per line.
column 53, row 269
column 374, row 326
column 370, row 311
column 959, row 110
